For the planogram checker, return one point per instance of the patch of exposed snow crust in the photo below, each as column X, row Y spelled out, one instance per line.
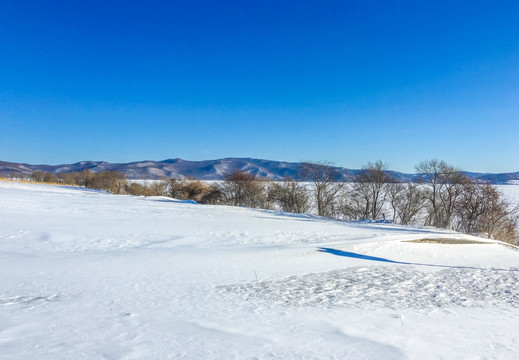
column 388, row 287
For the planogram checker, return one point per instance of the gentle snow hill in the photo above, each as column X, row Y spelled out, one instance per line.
column 90, row 275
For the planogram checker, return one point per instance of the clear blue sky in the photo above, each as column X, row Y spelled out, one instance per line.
column 344, row 81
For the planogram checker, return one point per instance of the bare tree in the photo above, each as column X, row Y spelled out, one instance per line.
column 369, row 191
column 290, row 196
column 327, row 185
column 484, row 210
column 450, row 195
column 443, row 191
column 394, row 193
column 352, row 206
column 473, row 206
column 406, row 202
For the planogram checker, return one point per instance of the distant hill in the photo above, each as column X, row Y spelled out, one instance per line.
column 210, row 169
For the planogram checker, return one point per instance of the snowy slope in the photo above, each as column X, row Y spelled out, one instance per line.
column 89, row 275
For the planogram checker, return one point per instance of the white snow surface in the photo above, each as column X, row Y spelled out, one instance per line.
column 90, row 275
column 510, row 192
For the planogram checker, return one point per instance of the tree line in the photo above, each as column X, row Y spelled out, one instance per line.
column 442, row 196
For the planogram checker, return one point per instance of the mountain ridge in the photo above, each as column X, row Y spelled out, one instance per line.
column 211, row 169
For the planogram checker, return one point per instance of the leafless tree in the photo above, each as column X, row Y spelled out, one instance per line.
column 351, row 206
column 406, row 201
column 290, row 196
column 443, row 191
column 473, row 206
column 327, row 185
column 369, row 191
column 394, row 194
column 484, row 210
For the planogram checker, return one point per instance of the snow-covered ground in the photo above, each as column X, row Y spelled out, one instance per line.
column 511, row 192
column 89, row 275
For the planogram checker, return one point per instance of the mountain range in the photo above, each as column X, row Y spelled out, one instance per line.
column 211, row 169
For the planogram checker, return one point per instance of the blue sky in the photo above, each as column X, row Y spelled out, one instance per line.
column 343, row 81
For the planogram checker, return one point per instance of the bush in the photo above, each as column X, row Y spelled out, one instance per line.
column 192, row 189
column 112, row 181
column 243, row 189
column 290, row 196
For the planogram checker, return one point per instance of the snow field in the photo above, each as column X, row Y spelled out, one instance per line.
column 89, row 275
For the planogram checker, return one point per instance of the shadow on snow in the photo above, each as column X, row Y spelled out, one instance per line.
column 374, row 258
